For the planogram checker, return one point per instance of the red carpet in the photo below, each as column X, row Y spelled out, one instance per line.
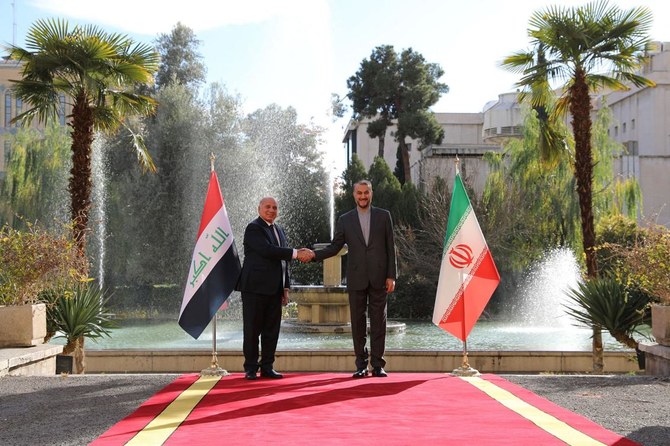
column 329, row 408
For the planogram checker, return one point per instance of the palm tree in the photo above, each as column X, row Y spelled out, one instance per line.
column 98, row 73
column 586, row 49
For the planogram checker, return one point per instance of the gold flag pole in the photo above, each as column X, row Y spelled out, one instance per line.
column 464, row 369
column 213, row 369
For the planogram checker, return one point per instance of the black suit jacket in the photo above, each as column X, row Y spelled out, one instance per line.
column 371, row 264
column 262, row 269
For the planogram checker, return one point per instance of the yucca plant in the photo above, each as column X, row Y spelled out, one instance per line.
column 76, row 315
column 611, row 304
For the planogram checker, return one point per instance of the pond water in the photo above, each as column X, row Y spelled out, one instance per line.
column 486, row 335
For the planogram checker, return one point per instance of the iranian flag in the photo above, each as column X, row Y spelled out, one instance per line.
column 215, row 266
column 468, row 275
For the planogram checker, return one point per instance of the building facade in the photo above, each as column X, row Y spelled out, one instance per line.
column 641, row 124
column 13, row 106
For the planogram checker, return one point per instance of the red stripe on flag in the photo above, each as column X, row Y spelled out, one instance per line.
column 213, row 202
column 479, row 289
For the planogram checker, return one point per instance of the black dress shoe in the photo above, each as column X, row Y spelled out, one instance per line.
column 379, row 372
column 271, row 374
column 250, row 375
column 360, row 373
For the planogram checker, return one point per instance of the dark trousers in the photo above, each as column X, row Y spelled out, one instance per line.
column 360, row 302
column 261, row 315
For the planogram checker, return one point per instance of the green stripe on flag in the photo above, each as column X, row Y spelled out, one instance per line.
column 458, row 211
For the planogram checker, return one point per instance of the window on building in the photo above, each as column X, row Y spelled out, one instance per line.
column 409, row 147
column 630, row 161
column 8, row 109
column 5, row 160
column 632, row 124
column 616, row 131
column 61, row 110
column 18, row 108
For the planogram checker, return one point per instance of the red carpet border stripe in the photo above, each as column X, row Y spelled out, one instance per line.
column 127, row 428
column 331, row 408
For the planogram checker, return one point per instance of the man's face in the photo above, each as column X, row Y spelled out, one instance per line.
column 362, row 195
column 268, row 210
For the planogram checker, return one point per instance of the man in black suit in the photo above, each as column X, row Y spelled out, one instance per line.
column 264, row 283
column 371, row 274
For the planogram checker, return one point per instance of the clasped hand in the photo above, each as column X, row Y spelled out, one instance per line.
column 305, row 255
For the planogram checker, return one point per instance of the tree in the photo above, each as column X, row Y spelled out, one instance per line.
column 386, row 189
column 34, row 188
column 419, row 244
column 528, row 206
column 578, row 45
column 180, row 60
column 95, row 70
column 145, row 246
column 390, row 87
column 355, row 172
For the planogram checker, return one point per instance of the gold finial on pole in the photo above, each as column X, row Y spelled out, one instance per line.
column 211, row 161
column 457, row 163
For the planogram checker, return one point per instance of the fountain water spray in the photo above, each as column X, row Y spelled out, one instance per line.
column 543, row 291
column 99, row 199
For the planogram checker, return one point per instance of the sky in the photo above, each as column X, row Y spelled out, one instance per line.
column 297, row 52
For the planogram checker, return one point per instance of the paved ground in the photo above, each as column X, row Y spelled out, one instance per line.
column 74, row 410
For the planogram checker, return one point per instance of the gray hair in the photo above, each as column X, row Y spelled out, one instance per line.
column 363, row 183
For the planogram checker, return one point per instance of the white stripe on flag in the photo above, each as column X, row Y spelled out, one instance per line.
column 451, row 279
column 214, row 241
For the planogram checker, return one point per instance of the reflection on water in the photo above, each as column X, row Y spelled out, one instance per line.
column 417, row 336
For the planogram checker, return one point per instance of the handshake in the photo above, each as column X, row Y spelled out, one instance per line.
column 305, row 255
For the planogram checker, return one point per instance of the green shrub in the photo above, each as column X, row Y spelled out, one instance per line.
column 34, row 260
column 413, row 298
column 640, row 255
column 614, row 235
column 648, row 263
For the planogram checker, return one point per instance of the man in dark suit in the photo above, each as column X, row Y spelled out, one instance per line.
column 264, row 283
column 371, row 274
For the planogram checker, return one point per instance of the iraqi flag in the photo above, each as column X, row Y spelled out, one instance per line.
column 468, row 275
column 215, row 266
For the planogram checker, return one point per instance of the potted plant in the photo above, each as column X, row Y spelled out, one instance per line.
column 608, row 303
column 31, row 260
column 76, row 314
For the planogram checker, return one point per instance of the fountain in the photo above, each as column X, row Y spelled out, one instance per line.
column 542, row 294
column 322, row 309
column 325, row 309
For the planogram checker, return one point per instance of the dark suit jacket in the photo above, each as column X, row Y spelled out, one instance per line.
column 262, row 269
column 373, row 263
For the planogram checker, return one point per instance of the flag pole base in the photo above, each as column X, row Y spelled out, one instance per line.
column 465, row 370
column 214, row 369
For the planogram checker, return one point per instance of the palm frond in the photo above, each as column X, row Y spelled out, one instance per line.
column 82, row 313
column 611, row 304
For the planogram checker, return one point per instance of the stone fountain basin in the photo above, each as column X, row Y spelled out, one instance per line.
column 325, row 309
